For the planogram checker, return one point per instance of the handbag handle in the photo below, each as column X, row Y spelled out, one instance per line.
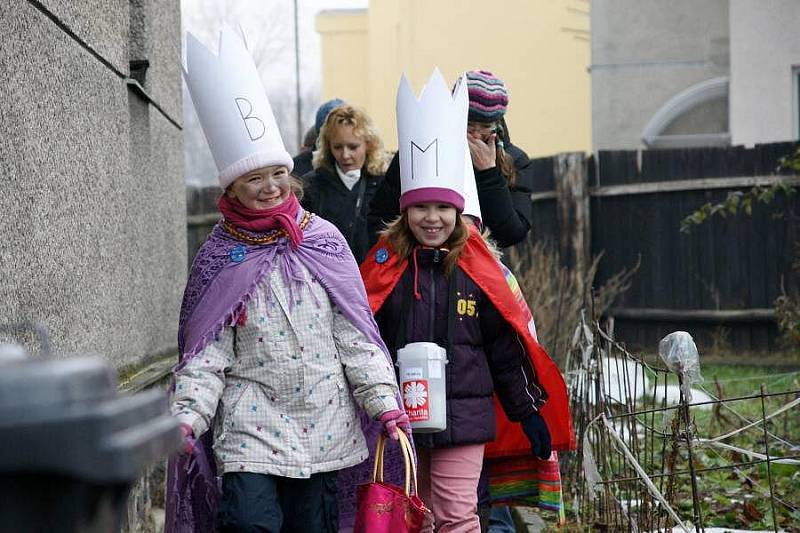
column 408, row 461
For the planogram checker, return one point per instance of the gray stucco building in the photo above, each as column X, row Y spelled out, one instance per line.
column 644, row 55
column 685, row 73
column 93, row 209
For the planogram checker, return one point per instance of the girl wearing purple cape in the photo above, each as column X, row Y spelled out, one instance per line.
column 283, row 382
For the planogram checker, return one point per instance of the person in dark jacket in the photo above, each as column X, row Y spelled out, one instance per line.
column 302, row 161
column 349, row 164
column 502, row 170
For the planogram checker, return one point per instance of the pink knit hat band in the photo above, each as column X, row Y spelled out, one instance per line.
column 428, row 195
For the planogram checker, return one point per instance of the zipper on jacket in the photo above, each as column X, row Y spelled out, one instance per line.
column 433, row 303
column 362, row 185
column 436, row 259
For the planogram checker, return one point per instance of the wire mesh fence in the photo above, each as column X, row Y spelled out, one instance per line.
column 657, row 451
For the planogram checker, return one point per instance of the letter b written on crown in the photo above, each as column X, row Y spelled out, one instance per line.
column 254, row 125
column 425, row 161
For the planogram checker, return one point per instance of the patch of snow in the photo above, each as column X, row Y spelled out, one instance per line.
column 622, row 380
column 672, row 393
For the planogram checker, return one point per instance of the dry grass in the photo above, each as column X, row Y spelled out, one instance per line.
column 556, row 294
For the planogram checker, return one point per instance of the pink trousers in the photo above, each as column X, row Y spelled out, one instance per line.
column 448, row 484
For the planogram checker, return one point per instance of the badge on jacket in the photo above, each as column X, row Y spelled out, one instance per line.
column 381, row 256
column 237, row 254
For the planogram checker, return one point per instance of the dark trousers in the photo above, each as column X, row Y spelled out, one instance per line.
column 260, row 503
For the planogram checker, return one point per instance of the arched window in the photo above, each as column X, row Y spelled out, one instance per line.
column 697, row 116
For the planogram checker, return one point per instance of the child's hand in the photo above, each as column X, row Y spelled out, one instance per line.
column 536, row 430
column 393, row 419
column 483, row 152
column 188, row 439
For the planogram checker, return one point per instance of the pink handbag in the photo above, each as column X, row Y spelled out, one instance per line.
column 385, row 508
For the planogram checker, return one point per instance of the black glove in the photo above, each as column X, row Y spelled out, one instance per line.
column 536, row 430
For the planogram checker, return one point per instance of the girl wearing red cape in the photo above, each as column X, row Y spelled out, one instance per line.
column 432, row 278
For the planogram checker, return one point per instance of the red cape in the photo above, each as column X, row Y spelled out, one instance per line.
column 478, row 262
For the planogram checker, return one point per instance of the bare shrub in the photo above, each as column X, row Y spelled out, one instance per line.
column 557, row 294
column 787, row 313
column 787, row 307
column 720, row 342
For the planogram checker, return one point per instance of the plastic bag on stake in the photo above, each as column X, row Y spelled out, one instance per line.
column 679, row 353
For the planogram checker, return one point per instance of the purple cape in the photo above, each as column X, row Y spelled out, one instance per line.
column 217, row 292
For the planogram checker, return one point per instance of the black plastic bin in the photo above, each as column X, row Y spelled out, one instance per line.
column 71, row 447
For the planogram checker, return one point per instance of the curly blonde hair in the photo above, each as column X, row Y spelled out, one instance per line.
column 348, row 115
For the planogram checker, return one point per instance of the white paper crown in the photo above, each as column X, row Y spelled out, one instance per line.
column 432, row 138
column 472, row 205
column 233, row 108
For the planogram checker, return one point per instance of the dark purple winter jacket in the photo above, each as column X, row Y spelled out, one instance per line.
column 486, row 356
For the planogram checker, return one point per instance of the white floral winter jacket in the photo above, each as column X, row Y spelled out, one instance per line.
column 284, row 386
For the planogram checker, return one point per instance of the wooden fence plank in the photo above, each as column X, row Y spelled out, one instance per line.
column 616, row 166
column 699, row 184
column 694, row 315
column 572, row 186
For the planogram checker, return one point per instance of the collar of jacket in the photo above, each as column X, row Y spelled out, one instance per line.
column 332, row 177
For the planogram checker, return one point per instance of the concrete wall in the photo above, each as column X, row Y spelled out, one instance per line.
column 540, row 49
column 93, row 211
column 765, row 45
column 644, row 53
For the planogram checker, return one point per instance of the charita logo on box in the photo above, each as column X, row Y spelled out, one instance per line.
column 422, row 385
column 415, row 400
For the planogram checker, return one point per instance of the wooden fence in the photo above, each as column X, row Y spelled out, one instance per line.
column 719, row 281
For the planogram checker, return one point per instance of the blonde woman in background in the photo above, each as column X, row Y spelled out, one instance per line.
column 349, row 165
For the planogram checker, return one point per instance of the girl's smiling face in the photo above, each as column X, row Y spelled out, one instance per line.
column 262, row 188
column 432, row 223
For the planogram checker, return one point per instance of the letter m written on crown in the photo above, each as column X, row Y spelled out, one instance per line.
column 423, row 162
column 255, row 126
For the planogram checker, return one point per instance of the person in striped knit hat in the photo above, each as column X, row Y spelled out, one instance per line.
column 494, row 166
column 503, row 172
column 486, row 128
column 488, row 97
